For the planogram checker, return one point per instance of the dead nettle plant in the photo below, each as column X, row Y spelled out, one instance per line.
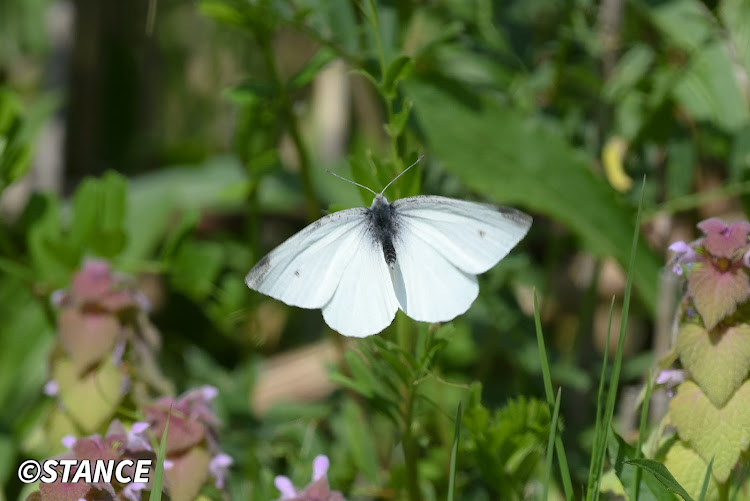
column 710, row 408
column 112, row 402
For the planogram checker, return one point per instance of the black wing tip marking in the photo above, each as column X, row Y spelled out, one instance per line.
column 515, row 215
column 258, row 273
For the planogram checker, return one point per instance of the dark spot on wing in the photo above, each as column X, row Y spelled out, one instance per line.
column 258, row 273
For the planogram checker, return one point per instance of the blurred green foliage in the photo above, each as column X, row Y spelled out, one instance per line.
column 216, row 145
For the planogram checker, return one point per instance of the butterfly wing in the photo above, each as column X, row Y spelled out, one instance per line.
column 364, row 302
column 306, row 269
column 441, row 244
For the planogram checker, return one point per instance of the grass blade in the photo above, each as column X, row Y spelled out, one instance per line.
column 706, row 479
column 593, row 489
column 600, row 433
column 561, row 458
column 642, row 433
column 158, row 480
column 552, row 436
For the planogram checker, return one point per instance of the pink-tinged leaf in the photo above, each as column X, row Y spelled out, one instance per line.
column 722, row 240
column 87, row 337
column 58, row 491
column 718, row 360
column 716, row 294
column 184, row 430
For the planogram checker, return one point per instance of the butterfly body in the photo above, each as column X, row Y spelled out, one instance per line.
column 383, row 224
column 419, row 254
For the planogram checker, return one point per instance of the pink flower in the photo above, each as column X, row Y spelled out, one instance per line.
column 715, row 267
column 317, row 490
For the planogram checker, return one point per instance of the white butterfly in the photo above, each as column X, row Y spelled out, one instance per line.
column 420, row 254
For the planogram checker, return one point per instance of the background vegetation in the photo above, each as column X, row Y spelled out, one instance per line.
column 182, row 140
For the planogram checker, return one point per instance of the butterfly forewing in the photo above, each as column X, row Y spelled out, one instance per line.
column 305, row 270
column 470, row 235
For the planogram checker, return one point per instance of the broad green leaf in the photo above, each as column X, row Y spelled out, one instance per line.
column 154, row 199
column 662, row 474
column 513, row 158
column 689, row 470
column 25, row 337
column 718, row 433
column 718, row 360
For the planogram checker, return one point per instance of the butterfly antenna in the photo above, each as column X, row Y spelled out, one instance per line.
column 402, row 173
column 350, row 181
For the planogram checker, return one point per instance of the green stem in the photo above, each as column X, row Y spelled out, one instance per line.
column 313, row 209
column 411, row 456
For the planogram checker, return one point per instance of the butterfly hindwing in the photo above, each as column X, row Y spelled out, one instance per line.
column 364, row 302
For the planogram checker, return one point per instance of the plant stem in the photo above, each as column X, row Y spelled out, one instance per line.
column 410, row 449
column 313, row 209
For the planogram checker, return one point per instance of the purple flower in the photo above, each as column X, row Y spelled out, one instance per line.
column 317, row 490
column 219, row 468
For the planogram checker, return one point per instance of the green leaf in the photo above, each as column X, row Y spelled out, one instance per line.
column 396, row 126
column 662, row 474
column 52, row 257
column 681, row 165
column 721, row 434
column 312, row 68
column 359, row 441
column 398, row 70
column 710, row 91
column 196, row 267
column 718, row 360
column 154, row 199
column 686, row 23
column 734, row 15
column 650, row 488
column 689, row 469
column 630, row 69
column 516, row 159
